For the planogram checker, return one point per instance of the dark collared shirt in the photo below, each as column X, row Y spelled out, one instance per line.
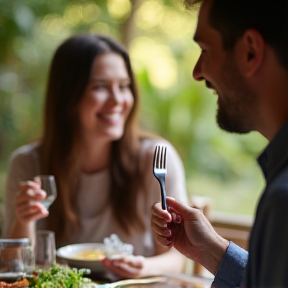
column 267, row 264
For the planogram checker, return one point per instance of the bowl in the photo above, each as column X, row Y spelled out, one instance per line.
column 79, row 256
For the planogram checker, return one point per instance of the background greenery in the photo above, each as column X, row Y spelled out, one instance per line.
column 158, row 35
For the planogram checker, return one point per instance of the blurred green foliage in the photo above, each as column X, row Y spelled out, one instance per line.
column 158, row 35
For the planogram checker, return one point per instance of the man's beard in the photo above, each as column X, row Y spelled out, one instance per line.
column 236, row 109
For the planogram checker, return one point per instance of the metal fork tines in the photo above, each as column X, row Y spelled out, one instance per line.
column 160, row 170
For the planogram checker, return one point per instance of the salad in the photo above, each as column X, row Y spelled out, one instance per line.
column 60, row 277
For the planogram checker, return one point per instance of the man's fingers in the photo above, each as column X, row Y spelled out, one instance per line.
column 157, row 211
column 159, row 221
column 164, row 241
column 162, row 231
column 180, row 208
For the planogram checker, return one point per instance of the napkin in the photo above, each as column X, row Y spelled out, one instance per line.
column 115, row 248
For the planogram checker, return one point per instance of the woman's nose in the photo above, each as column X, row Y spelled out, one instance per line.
column 115, row 95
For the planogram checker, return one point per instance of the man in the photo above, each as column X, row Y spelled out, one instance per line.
column 244, row 58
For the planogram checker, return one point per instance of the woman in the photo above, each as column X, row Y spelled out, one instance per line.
column 100, row 158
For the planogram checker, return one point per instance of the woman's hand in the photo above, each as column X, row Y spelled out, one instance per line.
column 189, row 231
column 127, row 266
column 27, row 207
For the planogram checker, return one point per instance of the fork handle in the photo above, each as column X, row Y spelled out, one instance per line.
column 163, row 195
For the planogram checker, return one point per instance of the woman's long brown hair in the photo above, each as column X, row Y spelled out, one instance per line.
column 59, row 147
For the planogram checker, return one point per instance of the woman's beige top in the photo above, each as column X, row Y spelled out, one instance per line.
column 94, row 209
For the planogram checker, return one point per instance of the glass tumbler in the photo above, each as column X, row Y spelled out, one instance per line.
column 45, row 249
column 48, row 184
column 16, row 259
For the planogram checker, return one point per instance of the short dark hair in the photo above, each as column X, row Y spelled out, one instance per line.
column 191, row 3
column 233, row 18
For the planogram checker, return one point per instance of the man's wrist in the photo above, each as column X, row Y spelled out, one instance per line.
column 231, row 269
column 215, row 254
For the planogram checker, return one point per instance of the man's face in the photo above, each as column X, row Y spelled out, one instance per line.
column 236, row 101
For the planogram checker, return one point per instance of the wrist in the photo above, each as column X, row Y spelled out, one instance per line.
column 145, row 269
column 213, row 255
column 23, row 224
column 22, row 229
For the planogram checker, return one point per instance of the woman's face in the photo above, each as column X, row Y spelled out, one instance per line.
column 107, row 100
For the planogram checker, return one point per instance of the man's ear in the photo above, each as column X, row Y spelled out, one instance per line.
column 250, row 52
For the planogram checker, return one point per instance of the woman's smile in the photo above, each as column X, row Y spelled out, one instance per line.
column 111, row 118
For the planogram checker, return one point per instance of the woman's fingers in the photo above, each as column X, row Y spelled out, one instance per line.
column 132, row 261
column 33, row 213
column 26, row 203
column 29, row 206
column 31, row 193
column 128, row 267
column 25, row 185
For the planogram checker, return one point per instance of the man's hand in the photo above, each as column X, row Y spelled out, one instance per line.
column 189, row 231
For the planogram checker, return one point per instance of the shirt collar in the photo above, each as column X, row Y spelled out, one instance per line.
column 275, row 156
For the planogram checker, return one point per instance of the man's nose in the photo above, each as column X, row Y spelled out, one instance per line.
column 197, row 71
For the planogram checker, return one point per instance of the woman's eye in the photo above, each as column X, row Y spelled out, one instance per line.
column 99, row 87
column 124, row 86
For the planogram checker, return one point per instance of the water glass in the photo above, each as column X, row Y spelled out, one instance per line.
column 45, row 249
column 48, row 184
column 16, row 259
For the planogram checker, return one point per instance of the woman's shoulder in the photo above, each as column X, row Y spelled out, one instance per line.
column 24, row 162
column 148, row 146
column 24, row 152
column 147, row 149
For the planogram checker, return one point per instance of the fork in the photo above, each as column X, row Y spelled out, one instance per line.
column 160, row 170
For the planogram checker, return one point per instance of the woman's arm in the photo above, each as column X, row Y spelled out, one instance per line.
column 21, row 208
column 27, row 209
column 170, row 261
column 139, row 266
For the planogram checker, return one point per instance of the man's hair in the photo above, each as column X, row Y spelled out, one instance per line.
column 233, row 18
column 191, row 3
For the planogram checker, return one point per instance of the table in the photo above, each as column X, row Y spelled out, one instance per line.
column 165, row 280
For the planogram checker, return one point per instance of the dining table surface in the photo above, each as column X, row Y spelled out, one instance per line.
column 171, row 280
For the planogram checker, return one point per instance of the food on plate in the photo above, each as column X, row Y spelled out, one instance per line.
column 18, row 284
column 59, row 277
column 55, row 277
column 90, row 255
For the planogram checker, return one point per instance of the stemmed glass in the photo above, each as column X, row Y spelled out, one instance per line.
column 48, row 184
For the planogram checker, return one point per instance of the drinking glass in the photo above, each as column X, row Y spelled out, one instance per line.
column 48, row 184
column 16, row 259
column 45, row 251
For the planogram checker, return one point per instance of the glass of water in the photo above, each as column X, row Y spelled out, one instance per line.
column 48, row 184
column 16, row 259
column 45, row 251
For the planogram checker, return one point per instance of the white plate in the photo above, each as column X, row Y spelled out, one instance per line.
column 67, row 254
